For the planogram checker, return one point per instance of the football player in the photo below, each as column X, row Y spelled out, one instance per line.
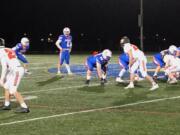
column 20, row 50
column 11, row 75
column 172, row 66
column 124, row 65
column 64, row 44
column 158, row 59
column 100, row 62
column 137, row 62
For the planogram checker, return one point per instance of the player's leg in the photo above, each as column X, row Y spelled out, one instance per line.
column 104, row 74
column 89, row 67
column 61, row 60
column 172, row 71
column 67, row 59
column 88, row 76
column 18, row 74
column 124, row 67
column 143, row 71
column 158, row 60
column 132, row 70
column 7, row 105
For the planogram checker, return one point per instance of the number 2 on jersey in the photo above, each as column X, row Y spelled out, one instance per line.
column 10, row 53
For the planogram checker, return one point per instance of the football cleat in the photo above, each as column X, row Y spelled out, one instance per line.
column 70, row 73
column 22, row 110
column 130, row 86
column 174, row 81
column 154, row 87
column 87, row 82
column 102, row 82
column 105, row 81
column 59, row 73
column 119, row 80
column 5, row 108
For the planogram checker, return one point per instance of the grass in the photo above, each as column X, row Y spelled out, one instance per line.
column 56, row 97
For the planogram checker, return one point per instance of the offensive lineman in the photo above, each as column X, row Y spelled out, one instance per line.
column 172, row 67
column 11, row 75
column 64, row 44
column 137, row 61
column 100, row 62
column 20, row 49
column 158, row 59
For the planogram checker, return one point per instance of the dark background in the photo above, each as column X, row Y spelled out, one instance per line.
column 95, row 24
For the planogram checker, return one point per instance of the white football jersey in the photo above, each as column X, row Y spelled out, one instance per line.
column 136, row 53
column 172, row 60
column 8, row 57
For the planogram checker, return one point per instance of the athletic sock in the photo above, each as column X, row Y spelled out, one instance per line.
column 23, row 105
column 121, row 73
column 153, row 83
column 155, row 74
column 103, row 76
column 6, row 103
column 68, row 68
column 88, row 77
column 131, row 83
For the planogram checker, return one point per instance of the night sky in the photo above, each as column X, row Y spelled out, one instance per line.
column 97, row 23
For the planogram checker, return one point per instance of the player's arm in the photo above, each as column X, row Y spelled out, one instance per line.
column 70, row 47
column 178, row 53
column 131, row 60
column 98, row 66
column 58, row 42
column 3, row 71
column 167, row 63
column 164, row 52
column 16, row 48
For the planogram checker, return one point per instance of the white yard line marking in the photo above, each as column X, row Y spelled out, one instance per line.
column 88, row 111
column 25, row 98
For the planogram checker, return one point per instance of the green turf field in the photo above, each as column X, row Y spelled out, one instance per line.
column 65, row 106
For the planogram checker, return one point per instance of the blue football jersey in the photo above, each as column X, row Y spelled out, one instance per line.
column 66, row 41
column 98, row 58
column 20, row 49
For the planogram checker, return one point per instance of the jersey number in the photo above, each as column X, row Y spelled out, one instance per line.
column 11, row 54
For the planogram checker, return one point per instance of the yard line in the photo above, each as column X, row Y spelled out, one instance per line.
column 88, row 111
column 25, row 98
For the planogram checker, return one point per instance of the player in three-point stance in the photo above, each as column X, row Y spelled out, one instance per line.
column 137, row 62
column 11, row 75
column 100, row 62
column 20, row 50
column 64, row 44
column 158, row 59
column 172, row 67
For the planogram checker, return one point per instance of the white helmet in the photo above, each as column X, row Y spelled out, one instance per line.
column 25, row 41
column 172, row 49
column 66, row 31
column 107, row 54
